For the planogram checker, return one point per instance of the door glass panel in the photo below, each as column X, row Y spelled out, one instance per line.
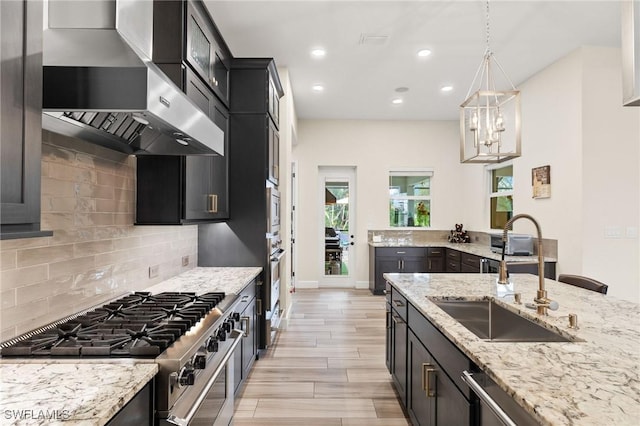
column 336, row 222
column 200, row 47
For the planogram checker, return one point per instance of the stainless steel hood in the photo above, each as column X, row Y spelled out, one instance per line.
column 100, row 85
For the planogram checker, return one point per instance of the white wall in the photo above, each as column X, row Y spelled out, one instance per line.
column 572, row 120
column 374, row 148
column 287, row 131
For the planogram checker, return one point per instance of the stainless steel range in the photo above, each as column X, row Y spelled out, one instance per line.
column 191, row 337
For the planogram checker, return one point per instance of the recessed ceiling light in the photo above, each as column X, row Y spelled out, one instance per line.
column 318, row 53
column 446, row 88
column 397, row 101
column 317, row 88
column 424, row 53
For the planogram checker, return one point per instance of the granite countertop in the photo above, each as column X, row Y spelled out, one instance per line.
column 592, row 381
column 68, row 394
column 91, row 391
column 471, row 248
column 202, row 280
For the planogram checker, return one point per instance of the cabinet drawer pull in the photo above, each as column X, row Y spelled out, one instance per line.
column 276, row 171
column 213, row 203
column 400, row 252
column 427, row 369
column 397, row 319
column 247, row 324
column 398, row 303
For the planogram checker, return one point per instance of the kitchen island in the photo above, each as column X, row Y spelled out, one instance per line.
column 592, row 380
column 91, row 390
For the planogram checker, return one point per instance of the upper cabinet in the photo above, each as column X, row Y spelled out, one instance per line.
column 257, row 92
column 185, row 33
column 21, row 118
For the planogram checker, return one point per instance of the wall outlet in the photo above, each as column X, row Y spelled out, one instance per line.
column 632, row 232
column 377, row 238
column 154, row 271
column 613, row 232
column 185, row 260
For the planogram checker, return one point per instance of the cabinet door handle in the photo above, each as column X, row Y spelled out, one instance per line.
column 427, row 370
column 213, row 203
column 388, row 320
column 399, row 265
column 259, row 306
column 276, row 171
column 247, row 323
column 402, row 262
column 429, row 264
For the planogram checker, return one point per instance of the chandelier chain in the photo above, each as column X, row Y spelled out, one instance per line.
column 488, row 27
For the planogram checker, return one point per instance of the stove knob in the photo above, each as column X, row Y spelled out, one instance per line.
column 212, row 344
column 199, row 361
column 228, row 326
column 187, row 377
column 236, row 316
column 222, row 335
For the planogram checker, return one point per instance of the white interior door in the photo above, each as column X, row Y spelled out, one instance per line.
column 337, row 226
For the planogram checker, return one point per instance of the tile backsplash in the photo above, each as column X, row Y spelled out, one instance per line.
column 95, row 253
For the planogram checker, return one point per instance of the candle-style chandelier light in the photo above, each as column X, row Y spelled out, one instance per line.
column 489, row 118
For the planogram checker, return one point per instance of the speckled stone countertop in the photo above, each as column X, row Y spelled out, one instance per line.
column 592, row 381
column 203, row 280
column 91, row 391
column 477, row 249
column 68, row 394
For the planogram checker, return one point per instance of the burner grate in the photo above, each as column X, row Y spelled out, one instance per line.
column 137, row 325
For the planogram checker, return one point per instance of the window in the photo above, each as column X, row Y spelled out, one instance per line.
column 501, row 196
column 410, row 198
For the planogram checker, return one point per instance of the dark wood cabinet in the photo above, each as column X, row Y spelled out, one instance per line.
column 245, row 355
column 257, row 91
column 184, row 33
column 186, row 189
column 432, row 397
column 384, row 260
column 21, row 121
column 470, row 263
column 453, row 260
column 175, row 190
column 242, row 241
column 435, row 259
column 426, row 372
column 398, row 359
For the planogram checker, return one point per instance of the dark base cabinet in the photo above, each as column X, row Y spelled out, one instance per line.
column 139, row 411
column 432, row 397
column 245, row 356
column 398, row 341
column 383, row 260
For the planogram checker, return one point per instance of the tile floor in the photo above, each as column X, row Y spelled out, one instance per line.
column 326, row 369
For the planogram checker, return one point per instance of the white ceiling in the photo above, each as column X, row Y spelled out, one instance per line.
column 361, row 79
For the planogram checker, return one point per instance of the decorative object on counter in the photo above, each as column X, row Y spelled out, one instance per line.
column 489, row 118
column 459, row 236
column 541, row 182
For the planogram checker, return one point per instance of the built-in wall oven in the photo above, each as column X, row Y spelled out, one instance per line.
column 276, row 252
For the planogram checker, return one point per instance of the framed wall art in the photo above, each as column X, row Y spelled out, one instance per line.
column 541, row 181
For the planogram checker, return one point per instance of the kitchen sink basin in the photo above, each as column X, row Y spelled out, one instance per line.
column 492, row 322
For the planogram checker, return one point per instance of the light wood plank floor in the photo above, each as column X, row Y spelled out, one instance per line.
column 327, row 368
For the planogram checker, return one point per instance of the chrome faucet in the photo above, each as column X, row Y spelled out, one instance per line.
column 541, row 301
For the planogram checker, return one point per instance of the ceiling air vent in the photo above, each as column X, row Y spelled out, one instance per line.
column 373, row 39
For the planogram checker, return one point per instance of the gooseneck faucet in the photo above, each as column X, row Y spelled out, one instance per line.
column 542, row 301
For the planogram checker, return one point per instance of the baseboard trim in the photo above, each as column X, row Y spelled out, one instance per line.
column 307, row 284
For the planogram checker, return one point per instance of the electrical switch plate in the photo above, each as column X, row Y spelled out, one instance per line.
column 154, row 271
column 632, row 232
column 612, row 232
column 377, row 238
column 185, row 260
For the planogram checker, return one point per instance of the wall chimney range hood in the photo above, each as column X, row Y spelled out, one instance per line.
column 100, row 85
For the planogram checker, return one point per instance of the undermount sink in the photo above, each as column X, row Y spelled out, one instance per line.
column 492, row 322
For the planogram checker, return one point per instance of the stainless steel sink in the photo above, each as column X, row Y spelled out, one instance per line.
column 492, row 322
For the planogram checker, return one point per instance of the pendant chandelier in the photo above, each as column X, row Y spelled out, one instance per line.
column 489, row 118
